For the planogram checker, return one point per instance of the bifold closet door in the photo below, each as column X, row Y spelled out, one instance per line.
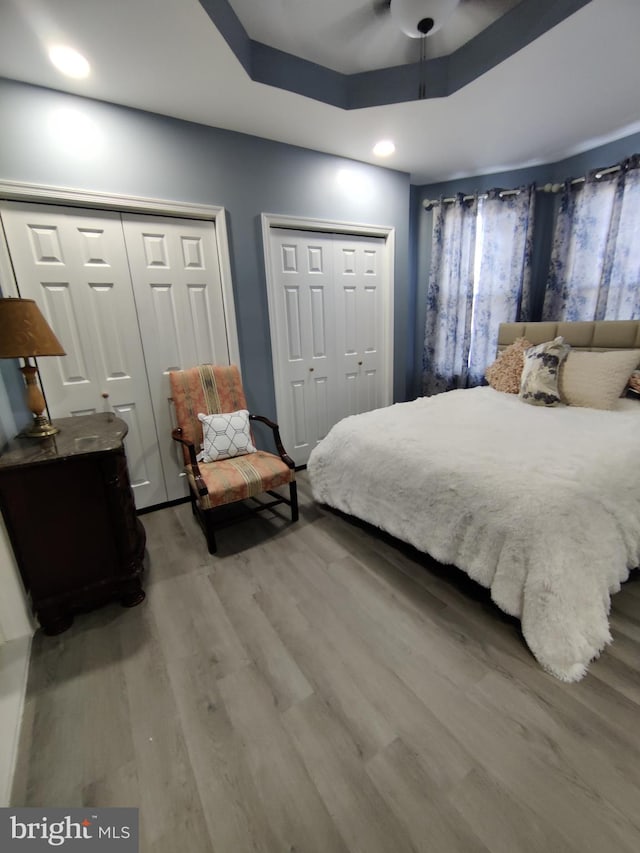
column 326, row 316
column 358, row 281
column 178, row 293
column 73, row 262
column 302, row 315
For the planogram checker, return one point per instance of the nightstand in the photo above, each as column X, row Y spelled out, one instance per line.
column 69, row 511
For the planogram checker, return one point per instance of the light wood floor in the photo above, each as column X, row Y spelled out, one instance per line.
column 317, row 687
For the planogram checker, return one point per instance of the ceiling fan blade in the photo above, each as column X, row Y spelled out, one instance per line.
column 381, row 7
column 359, row 21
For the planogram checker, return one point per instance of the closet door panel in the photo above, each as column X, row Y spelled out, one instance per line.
column 178, row 294
column 359, row 322
column 74, row 264
column 302, row 312
column 73, row 372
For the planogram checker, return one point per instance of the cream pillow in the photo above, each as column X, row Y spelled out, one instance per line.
column 539, row 383
column 505, row 372
column 595, row 380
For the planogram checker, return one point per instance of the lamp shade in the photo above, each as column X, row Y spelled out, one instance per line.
column 24, row 332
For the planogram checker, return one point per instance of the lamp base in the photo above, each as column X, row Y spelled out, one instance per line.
column 41, row 428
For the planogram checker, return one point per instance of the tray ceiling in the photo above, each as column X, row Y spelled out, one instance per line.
column 575, row 86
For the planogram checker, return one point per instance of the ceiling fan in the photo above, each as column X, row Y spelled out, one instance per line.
column 414, row 18
column 417, row 18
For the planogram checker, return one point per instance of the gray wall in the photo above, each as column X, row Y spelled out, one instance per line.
column 546, row 206
column 142, row 154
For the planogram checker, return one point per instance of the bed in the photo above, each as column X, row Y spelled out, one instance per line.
column 541, row 505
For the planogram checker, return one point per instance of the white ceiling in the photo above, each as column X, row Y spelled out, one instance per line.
column 576, row 86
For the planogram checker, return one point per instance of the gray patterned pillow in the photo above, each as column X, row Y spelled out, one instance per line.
column 539, row 382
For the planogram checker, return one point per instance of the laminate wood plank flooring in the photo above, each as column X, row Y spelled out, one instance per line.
column 321, row 687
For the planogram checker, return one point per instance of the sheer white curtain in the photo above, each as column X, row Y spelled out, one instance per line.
column 479, row 278
column 595, row 262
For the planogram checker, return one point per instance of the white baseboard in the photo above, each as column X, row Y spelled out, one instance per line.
column 14, row 669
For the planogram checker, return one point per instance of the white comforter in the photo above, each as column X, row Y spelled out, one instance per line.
column 540, row 505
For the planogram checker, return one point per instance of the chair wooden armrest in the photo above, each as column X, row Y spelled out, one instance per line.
column 176, row 435
column 276, row 437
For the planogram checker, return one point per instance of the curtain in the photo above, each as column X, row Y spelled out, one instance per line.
column 503, row 273
column 595, row 261
column 479, row 278
column 447, row 336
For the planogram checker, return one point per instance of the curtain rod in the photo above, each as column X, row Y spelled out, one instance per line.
column 547, row 188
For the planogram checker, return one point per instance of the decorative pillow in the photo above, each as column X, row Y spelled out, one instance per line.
column 539, row 383
column 225, row 436
column 505, row 372
column 634, row 382
column 595, row 380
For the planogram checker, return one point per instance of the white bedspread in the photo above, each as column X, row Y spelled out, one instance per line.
column 542, row 506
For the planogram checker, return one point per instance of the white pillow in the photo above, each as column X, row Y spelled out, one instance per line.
column 225, row 436
column 595, row 380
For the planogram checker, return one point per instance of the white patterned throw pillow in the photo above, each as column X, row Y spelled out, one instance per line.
column 539, row 381
column 225, row 436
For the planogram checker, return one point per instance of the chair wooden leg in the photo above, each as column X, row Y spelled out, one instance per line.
column 207, row 518
column 293, row 494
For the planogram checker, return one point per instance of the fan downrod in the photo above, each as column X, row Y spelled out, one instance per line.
column 425, row 26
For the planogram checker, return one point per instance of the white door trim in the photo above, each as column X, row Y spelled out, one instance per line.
column 301, row 223
column 17, row 191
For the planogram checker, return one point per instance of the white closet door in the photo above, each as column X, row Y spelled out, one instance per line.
column 74, row 264
column 328, row 296
column 302, row 313
column 178, row 293
column 359, row 266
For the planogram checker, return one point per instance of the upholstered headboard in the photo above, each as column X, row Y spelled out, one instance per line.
column 599, row 335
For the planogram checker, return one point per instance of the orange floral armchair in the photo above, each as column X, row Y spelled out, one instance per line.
column 209, row 389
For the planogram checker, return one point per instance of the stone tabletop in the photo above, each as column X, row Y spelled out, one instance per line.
column 99, row 433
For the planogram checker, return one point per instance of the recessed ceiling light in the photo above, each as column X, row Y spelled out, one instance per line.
column 69, row 61
column 384, row 148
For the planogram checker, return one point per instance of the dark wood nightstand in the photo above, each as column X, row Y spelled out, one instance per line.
column 69, row 510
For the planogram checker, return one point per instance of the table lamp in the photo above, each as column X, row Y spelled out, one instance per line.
column 24, row 333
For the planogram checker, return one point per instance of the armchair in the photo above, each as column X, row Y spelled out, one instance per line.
column 210, row 389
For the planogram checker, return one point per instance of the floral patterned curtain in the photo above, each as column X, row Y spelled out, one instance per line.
column 479, row 278
column 447, row 337
column 595, row 261
column 503, row 273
